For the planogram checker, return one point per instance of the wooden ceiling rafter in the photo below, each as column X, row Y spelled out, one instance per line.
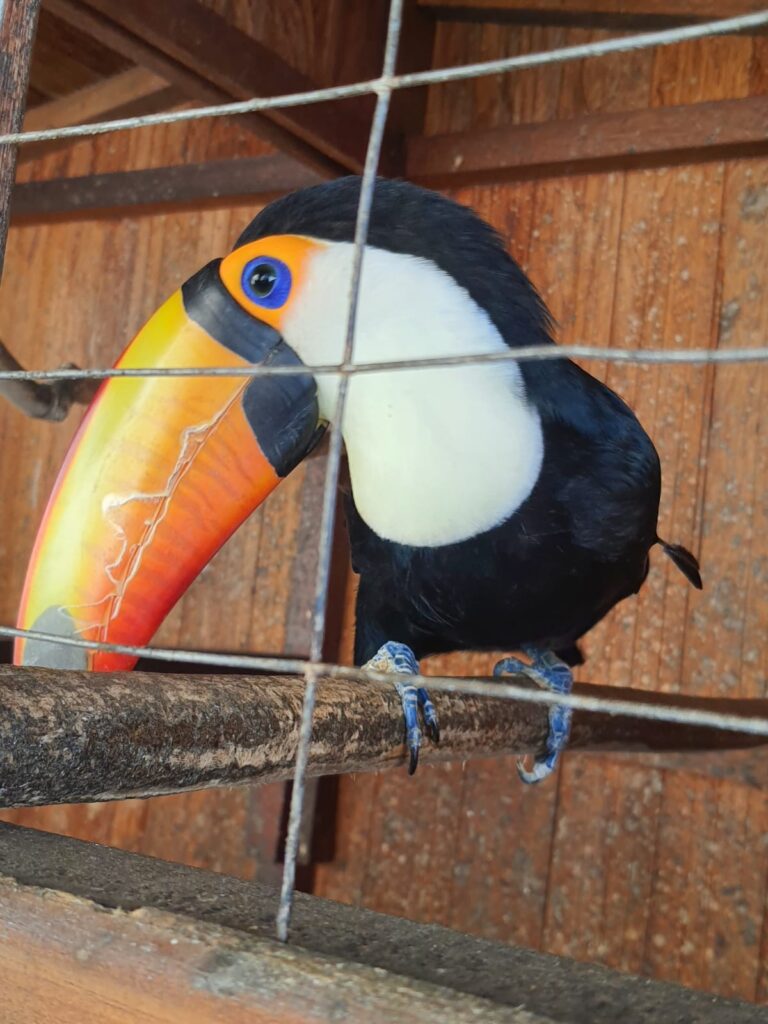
column 652, row 137
column 212, row 61
column 125, row 94
column 602, row 140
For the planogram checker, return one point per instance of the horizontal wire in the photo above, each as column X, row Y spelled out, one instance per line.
column 754, row 724
column 525, row 353
column 437, row 76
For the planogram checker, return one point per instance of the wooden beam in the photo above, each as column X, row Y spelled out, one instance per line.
column 615, row 14
column 132, row 92
column 593, row 142
column 110, row 97
column 111, row 936
column 92, row 963
column 252, row 179
column 212, row 61
column 73, row 737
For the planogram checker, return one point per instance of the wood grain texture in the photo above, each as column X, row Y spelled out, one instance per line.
column 211, row 59
column 64, row 59
column 198, row 185
column 74, row 737
column 664, row 135
column 106, row 965
column 125, row 94
column 123, row 890
column 17, row 32
column 698, row 71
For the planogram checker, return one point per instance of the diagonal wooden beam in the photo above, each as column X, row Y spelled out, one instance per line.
column 210, row 60
column 131, row 92
column 594, row 141
column 127, row 94
column 110, row 97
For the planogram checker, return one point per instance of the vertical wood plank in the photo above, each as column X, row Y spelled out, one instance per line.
column 709, row 891
column 17, row 32
column 725, row 649
column 604, row 862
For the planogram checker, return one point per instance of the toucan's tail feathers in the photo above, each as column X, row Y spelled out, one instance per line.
column 685, row 562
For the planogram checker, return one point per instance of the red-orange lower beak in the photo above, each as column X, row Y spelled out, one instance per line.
column 162, row 471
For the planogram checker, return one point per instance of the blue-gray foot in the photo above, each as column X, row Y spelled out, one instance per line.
column 399, row 658
column 549, row 672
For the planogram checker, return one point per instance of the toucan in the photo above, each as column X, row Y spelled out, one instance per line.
column 499, row 505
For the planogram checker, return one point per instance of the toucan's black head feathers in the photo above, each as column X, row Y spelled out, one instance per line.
column 408, row 219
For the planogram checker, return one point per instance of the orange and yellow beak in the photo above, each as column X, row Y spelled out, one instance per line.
column 161, row 472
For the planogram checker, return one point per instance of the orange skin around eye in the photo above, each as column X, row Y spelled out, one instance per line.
column 293, row 250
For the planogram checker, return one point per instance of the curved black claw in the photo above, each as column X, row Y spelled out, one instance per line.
column 431, row 728
column 410, row 701
column 552, row 674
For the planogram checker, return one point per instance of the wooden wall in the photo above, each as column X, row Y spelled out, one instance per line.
column 659, row 872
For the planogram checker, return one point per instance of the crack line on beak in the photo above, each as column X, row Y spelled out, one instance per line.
column 193, row 440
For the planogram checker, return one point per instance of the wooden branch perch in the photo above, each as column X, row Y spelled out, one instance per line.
column 41, row 399
column 72, row 737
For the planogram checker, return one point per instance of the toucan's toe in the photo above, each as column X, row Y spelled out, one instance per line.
column 552, row 674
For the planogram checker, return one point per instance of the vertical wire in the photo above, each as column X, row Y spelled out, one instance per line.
column 367, row 186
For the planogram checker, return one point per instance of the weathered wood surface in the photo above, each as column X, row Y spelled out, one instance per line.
column 64, row 60
column 199, row 185
column 125, row 94
column 212, row 60
column 17, row 33
column 662, row 135
column 64, row 898
column 666, row 135
column 96, row 964
column 109, row 97
column 73, row 737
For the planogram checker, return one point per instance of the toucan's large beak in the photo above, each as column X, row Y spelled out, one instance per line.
column 160, row 473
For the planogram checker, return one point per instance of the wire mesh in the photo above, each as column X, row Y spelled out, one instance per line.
column 313, row 668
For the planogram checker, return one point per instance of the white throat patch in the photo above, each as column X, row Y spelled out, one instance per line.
column 435, row 455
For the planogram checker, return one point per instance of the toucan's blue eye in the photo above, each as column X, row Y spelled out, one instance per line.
column 266, row 281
